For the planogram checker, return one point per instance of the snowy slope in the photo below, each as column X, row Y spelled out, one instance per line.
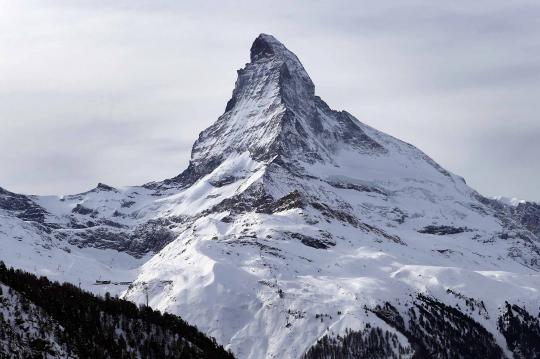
column 288, row 214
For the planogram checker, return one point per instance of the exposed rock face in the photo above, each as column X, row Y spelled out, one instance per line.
column 21, row 206
column 288, row 213
column 528, row 214
column 443, row 230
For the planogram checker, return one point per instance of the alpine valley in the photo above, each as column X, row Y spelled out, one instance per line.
column 299, row 232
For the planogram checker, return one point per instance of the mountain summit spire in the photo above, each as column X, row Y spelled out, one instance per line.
column 266, row 45
column 266, row 50
column 274, row 113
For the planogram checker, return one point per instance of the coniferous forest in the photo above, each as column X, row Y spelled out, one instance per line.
column 435, row 330
column 44, row 319
column 521, row 331
column 373, row 343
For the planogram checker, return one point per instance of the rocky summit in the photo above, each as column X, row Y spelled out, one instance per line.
column 299, row 232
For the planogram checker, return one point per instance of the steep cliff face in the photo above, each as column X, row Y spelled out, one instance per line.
column 294, row 222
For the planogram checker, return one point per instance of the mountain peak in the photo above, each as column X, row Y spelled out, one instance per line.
column 266, row 45
column 268, row 53
column 274, row 113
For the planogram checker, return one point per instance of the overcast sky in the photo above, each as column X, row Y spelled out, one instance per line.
column 116, row 92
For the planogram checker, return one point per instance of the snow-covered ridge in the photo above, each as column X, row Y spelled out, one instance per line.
column 292, row 221
column 511, row 201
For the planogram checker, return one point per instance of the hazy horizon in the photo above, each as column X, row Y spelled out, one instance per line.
column 117, row 93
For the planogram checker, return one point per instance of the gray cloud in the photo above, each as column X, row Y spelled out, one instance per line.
column 116, row 92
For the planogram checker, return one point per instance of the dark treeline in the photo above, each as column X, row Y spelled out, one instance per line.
column 372, row 343
column 96, row 327
column 436, row 330
column 521, row 331
column 433, row 330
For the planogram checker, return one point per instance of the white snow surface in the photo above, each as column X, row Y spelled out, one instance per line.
column 244, row 277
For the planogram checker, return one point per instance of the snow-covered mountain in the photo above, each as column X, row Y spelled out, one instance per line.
column 292, row 223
